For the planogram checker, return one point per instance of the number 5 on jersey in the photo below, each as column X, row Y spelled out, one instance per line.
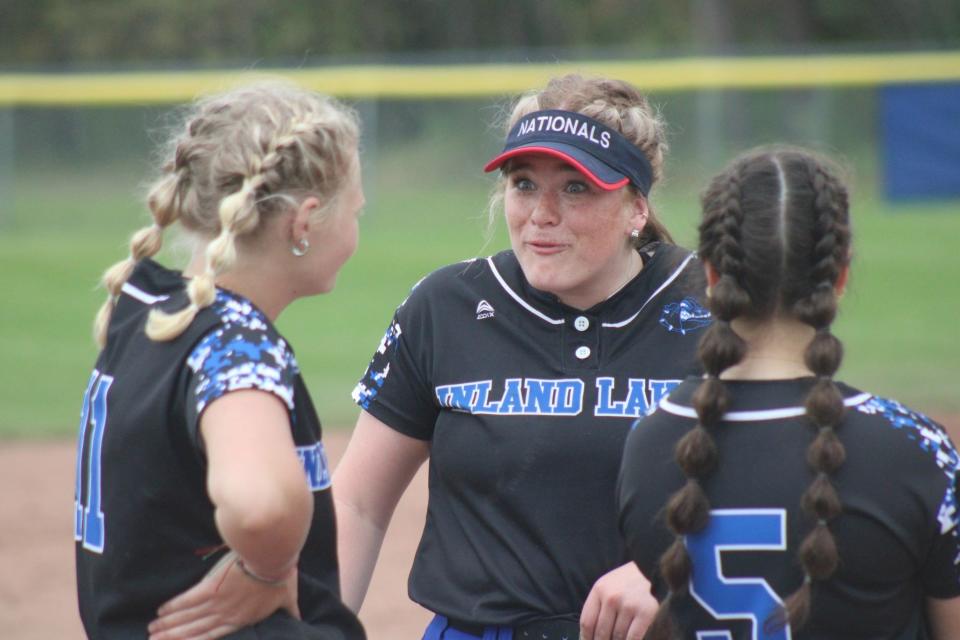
column 88, row 517
column 751, row 599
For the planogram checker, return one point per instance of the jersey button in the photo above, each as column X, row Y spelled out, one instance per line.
column 581, row 323
column 582, row 352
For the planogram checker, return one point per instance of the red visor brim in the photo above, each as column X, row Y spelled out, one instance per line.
column 522, row 151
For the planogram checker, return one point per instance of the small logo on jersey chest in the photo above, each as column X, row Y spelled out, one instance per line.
column 685, row 316
column 484, row 310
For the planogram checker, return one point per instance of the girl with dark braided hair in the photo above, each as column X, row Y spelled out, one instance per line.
column 766, row 500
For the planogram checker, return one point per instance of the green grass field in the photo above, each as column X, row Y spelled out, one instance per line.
column 898, row 319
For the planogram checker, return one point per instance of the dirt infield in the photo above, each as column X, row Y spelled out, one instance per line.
column 37, row 598
column 37, row 593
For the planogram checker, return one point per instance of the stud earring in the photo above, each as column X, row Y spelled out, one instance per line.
column 635, row 234
column 300, row 249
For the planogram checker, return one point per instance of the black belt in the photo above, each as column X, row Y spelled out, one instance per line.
column 549, row 629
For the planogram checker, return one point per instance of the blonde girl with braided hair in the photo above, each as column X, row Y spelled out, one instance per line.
column 203, row 506
column 767, row 500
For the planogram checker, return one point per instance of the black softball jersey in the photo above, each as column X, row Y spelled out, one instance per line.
column 143, row 523
column 896, row 537
column 526, row 403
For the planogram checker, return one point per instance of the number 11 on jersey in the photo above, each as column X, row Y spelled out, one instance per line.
column 88, row 516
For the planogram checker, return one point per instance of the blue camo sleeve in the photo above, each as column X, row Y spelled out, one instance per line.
column 940, row 573
column 236, row 357
column 395, row 388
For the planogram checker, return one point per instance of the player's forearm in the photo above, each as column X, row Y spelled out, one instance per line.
column 944, row 617
column 373, row 473
column 266, row 525
column 358, row 546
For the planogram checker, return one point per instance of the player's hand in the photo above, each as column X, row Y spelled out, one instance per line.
column 224, row 601
column 619, row 606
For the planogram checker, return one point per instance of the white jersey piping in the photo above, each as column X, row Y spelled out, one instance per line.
column 666, row 283
column 141, row 295
column 758, row 415
column 516, row 297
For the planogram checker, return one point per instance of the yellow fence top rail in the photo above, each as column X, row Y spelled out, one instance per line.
column 478, row 80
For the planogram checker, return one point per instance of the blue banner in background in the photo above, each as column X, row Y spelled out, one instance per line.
column 920, row 129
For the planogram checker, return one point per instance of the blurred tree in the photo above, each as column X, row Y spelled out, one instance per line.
column 107, row 33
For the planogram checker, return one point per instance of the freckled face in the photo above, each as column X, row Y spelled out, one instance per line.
column 570, row 236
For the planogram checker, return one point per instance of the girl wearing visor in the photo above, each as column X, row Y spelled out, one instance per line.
column 518, row 375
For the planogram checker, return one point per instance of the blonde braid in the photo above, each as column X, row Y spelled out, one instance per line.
column 145, row 243
column 238, row 215
column 242, row 156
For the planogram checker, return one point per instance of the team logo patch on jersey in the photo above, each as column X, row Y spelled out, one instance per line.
column 685, row 316
column 484, row 310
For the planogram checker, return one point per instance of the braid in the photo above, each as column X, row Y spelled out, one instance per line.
column 688, row 510
column 775, row 230
column 241, row 156
column 145, row 243
column 824, row 404
column 238, row 215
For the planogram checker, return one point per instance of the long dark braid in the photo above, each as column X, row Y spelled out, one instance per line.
column 824, row 404
column 688, row 510
column 776, row 231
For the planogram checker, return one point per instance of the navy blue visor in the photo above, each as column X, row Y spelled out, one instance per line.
column 603, row 155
